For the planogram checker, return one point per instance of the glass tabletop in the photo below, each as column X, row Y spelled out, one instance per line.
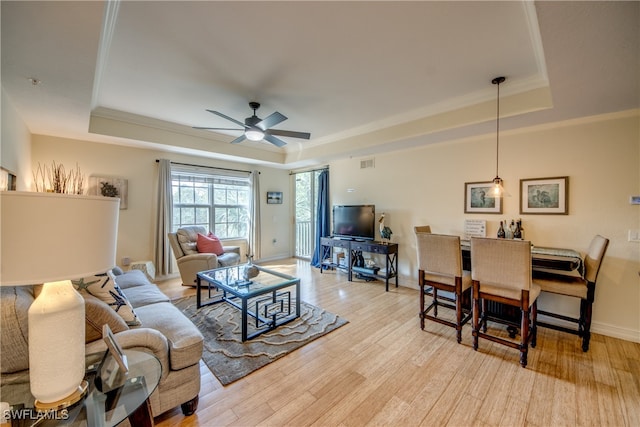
column 100, row 407
column 232, row 279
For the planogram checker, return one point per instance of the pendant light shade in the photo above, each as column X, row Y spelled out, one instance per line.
column 497, row 190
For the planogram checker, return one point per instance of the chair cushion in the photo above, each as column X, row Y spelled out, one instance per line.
column 511, row 293
column 209, row 244
column 106, row 289
column 449, row 280
column 572, row 286
column 187, row 237
column 228, row 259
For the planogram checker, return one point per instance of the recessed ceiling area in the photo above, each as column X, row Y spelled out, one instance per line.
column 362, row 77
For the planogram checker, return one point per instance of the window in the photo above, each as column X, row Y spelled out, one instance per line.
column 217, row 202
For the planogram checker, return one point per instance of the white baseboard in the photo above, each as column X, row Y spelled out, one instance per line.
column 601, row 328
column 613, row 331
column 272, row 258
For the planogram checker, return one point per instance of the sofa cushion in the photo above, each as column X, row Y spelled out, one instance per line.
column 140, row 296
column 209, row 244
column 106, row 289
column 14, row 346
column 185, row 340
column 98, row 313
column 131, row 279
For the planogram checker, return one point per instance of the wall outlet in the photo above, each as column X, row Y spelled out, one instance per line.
column 126, row 261
column 634, row 235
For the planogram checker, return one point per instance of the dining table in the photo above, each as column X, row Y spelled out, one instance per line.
column 548, row 261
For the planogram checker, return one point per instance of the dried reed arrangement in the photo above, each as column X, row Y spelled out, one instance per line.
column 55, row 179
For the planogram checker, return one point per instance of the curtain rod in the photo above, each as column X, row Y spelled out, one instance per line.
column 209, row 167
column 326, row 168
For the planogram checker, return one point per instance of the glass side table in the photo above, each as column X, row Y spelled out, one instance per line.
column 98, row 408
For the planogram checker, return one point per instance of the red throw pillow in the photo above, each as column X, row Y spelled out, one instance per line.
column 209, row 244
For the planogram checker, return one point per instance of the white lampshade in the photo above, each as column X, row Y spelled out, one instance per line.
column 51, row 238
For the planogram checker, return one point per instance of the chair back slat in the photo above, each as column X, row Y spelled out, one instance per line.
column 501, row 262
column 439, row 254
column 422, row 229
column 594, row 257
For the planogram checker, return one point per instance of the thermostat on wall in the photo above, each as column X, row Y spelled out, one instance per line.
column 634, row 200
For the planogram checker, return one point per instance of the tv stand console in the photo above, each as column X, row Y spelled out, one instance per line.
column 389, row 250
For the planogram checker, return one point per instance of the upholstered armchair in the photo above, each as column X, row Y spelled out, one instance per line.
column 190, row 261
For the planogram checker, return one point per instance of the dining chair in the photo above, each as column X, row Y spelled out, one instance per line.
column 440, row 269
column 501, row 272
column 583, row 287
column 422, row 229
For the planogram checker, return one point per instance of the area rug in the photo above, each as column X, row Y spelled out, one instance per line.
column 229, row 359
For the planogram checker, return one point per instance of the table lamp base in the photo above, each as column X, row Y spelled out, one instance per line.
column 65, row 402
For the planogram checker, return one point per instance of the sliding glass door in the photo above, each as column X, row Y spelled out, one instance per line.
column 306, row 199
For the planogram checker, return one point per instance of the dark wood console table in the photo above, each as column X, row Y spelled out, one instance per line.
column 389, row 250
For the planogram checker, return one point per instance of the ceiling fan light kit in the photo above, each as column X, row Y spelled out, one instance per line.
column 257, row 129
column 254, row 134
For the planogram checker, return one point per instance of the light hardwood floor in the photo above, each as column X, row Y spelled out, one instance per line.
column 381, row 369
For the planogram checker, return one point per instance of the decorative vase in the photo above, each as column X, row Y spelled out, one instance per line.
column 250, row 271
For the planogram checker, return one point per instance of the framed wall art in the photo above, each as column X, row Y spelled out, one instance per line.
column 110, row 187
column 7, row 180
column 548, row 196
column 477, row 201
column 274, row 197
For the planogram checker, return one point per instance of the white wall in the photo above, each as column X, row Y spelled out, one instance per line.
column 15, row 145
column 137, row 223
column 600, row 155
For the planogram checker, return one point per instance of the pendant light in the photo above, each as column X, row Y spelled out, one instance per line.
column 497, row 190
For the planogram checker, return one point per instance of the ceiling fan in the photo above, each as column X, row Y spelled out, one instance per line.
column 257, row 129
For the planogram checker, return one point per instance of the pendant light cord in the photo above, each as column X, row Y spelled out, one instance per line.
column 497, row 81
column 497, row 127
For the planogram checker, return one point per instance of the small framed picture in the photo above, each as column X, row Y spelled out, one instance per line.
column 274, row 197
column 110, row 187
column 476, row 199
column 7, row 180
column 547, row 196
column 114, row 348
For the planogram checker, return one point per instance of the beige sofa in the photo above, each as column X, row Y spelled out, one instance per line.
column 164, row 331
column 190, row 261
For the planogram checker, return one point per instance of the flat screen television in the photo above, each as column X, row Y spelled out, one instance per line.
column 356, row 222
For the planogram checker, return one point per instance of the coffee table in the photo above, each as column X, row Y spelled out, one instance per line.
column 271, row 298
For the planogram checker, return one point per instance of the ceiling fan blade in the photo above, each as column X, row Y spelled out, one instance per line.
column 271, row 120
column 239, row 139
column 206, row 128
column 275, row 141
column 224, row 116
column 289, row 133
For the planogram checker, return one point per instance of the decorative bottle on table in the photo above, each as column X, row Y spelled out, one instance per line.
column 518, row 233
column 250, row 271
column 511, row 229
column 501, row 233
